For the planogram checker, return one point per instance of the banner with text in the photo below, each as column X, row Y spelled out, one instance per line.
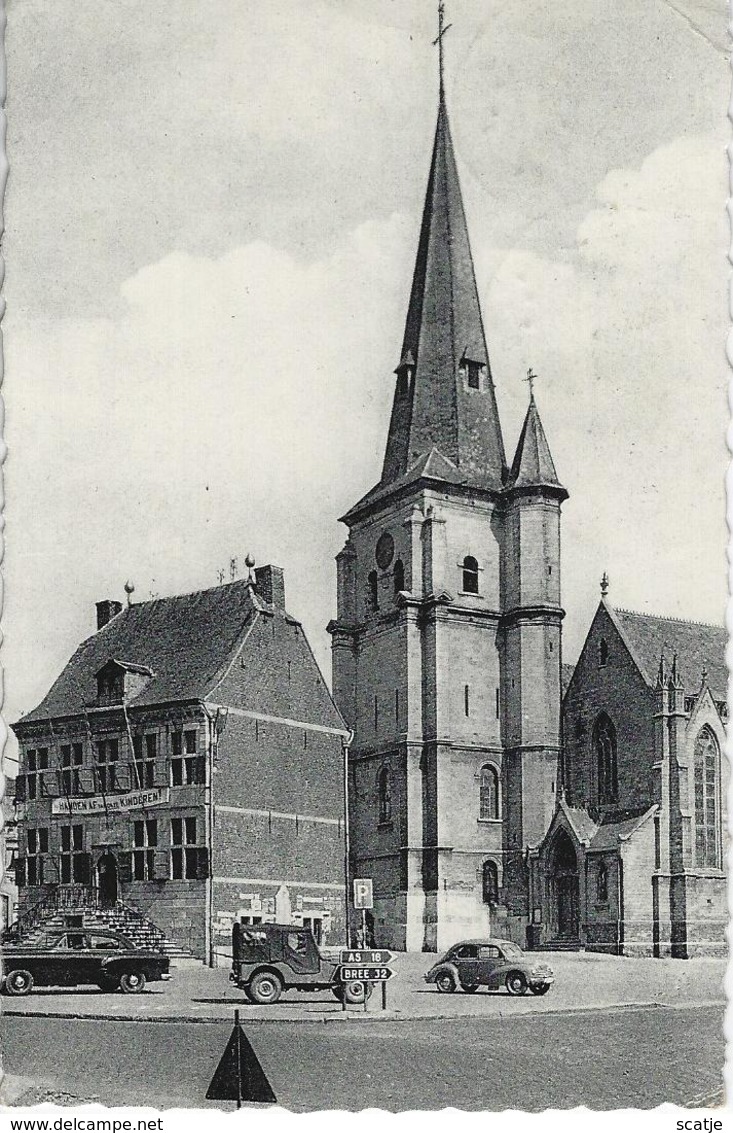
column 133, row 800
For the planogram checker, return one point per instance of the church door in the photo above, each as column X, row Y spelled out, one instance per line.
column 566, row 887
column 567, row 907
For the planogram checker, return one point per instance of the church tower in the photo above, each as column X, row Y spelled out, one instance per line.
column 446, row 647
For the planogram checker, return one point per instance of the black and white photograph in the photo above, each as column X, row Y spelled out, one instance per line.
column 365, row 581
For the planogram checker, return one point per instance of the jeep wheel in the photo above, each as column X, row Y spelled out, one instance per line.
column 357, row 991
column 18, row 982
column 264, row 988
column 516, row 983
column 132, row 982
column 445, row 982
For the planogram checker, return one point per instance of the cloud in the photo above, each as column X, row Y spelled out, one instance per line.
column 240, row 402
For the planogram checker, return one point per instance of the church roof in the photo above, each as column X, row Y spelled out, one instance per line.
column 698, row 647
column 188, row 643
column 434, row 407
column 533, row 465
column 609, row 834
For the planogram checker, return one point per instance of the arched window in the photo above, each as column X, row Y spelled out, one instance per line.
column 373, row 590
column 606, row 764
column 707, row 800
column 490, row 883
column 603, row 652
column 602, row 883
column 488, row 793
column 470, row 575
column 384, row 792
column 399, row 576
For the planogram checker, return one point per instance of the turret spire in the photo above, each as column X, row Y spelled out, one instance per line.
column 533, row 466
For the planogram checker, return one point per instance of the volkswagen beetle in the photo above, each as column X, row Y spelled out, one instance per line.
column 472, row 964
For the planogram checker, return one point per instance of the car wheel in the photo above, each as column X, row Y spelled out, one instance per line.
column 265, row 987
column 357, row 991
column 540, row 989
column 516, row 983
column 18, row 982
column 132, row 982
column 445, row 982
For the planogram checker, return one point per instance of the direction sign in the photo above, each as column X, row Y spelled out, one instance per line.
column 365, row 956
column 363, row 893
column 369, row 973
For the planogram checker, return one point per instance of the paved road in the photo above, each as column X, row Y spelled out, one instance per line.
column 635, row 1057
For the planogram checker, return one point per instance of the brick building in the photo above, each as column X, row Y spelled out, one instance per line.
column 446, row 645
column 633, row 859
column 188, row 762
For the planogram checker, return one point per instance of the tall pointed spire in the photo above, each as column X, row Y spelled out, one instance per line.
column 533, row 466
column 445, row 397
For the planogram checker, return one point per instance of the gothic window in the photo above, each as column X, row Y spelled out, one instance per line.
column 470, row 575
column 603, row 652
column 602, row 884
column 373, row 590
column 490, row 883
column 488, row 793
column 384, row 795
column 606, row 762
column 707, row 800
column 399, row 576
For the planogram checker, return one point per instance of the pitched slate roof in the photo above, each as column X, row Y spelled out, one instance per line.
column 609, row 834
column 188, row 642
column 533, row 465
column 698, row 646
column 444, row 328
column 566, row 675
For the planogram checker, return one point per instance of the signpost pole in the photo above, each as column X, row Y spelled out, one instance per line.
column 384, row 995
column 239, row 1060
column 364, row 942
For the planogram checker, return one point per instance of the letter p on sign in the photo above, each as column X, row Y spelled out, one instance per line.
column 363, row 893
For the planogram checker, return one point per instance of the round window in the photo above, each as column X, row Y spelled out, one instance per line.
column 385, row 550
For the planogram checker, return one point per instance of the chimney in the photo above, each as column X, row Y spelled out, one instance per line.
column 270, row 585
column 106, row 611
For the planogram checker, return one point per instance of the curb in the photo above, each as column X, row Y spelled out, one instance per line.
column 389, row 1016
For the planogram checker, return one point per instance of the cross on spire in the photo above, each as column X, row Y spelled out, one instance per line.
column 531, row 378
column 442, row 29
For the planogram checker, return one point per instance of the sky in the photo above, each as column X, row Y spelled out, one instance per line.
column 211, row 223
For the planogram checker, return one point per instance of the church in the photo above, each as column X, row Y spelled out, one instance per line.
column 478, row 805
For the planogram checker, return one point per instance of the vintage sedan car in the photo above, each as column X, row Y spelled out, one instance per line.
column 472, row 964
column 81, row 956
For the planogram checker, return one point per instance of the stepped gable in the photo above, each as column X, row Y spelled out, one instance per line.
column 190, row 643
column 698, row 646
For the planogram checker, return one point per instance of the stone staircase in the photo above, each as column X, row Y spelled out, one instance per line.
column 51, row 915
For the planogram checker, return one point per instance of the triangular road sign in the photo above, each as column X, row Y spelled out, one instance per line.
column 239, row 1077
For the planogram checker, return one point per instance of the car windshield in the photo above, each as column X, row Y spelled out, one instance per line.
column 511, row 949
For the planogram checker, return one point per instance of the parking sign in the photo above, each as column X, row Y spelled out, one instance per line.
column 363, row 893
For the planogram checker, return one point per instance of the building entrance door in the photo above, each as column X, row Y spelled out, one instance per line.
column 566, row 887
column 107, row 881
column 567, row 907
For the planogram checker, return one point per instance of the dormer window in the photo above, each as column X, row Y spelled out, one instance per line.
column 472, row 372
column 120, row 680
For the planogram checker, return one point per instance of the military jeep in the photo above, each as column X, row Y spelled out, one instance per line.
column 268, row 959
